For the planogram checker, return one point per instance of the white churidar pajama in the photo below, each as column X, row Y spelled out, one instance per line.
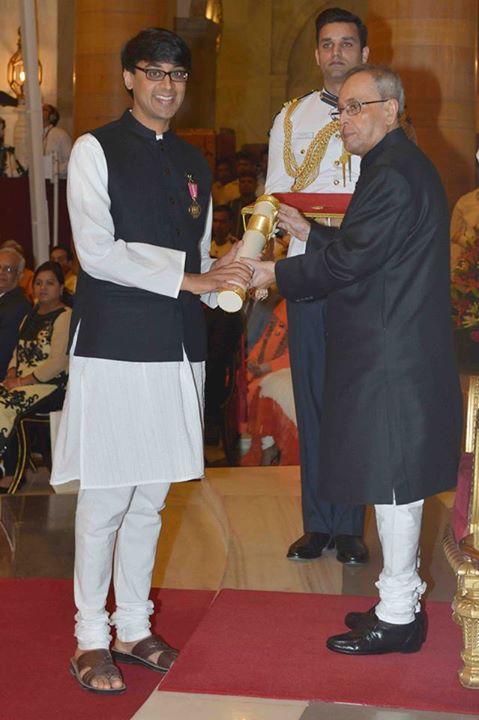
column 400, row 586
column 128, row 429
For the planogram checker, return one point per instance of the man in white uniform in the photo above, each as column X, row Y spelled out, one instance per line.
column 140, row 209
column 56, row 140
column 306, row 154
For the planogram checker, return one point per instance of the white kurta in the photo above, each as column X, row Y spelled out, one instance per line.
column 310, row 115
column 126, row 423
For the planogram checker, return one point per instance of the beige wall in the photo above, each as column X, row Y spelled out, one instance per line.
column 266, row 57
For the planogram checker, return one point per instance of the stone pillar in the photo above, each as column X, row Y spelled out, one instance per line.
column 432, row 44
column 102, row 27
column 199, row 106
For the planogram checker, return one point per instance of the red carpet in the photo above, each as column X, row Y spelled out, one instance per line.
column 272, row 645
column 36, row 642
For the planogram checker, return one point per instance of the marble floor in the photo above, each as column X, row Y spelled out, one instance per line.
column 231, row 529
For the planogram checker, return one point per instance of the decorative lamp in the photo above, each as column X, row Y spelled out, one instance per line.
column 16, row 70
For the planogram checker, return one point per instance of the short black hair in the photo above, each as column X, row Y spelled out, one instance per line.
column 53, row 267
column 244, row 155
column 155, row 44
column 225, row 209
column 332, row 15
column 65, row 249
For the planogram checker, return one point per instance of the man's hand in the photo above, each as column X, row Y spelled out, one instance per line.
column 263, row 272
column 293, row 222
column 220, row 276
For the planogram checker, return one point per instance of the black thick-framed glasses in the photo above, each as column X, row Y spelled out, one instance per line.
column 155, row 74
column 353, row 107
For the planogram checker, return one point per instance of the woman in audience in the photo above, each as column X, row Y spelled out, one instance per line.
column 37, row 373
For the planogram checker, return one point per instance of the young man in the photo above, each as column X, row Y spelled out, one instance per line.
column 64, row 257
column 306, row 154
column 139, row 202
column 392, row 409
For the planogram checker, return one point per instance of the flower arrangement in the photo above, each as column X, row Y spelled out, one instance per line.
column 465, row 290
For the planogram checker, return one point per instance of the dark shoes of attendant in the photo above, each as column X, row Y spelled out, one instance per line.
column 380, row 638
column 309, row 546
column 369, row 618
column 351, row 549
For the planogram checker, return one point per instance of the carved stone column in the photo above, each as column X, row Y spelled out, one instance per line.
column 432, row 44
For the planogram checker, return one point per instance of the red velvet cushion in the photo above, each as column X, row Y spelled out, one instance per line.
column 460, row 513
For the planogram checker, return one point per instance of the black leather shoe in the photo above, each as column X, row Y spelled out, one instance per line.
column 369, row 618
column 351, row 549
column 379, row 639
column 309, row 546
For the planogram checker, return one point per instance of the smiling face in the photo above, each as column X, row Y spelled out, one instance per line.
column 339, row 50
column 155, row 102
column 361, row 132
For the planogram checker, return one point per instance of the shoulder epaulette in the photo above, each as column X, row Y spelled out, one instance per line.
column 297, row 99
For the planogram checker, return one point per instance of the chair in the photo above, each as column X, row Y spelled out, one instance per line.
column 461, row 544
column 41, row 420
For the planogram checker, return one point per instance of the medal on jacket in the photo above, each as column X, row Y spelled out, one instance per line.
column 195, row 207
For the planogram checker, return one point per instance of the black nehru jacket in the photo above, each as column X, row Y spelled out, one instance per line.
column 148, row 188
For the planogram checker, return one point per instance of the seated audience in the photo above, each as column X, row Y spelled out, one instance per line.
column 270, row 404
column 223, row 176
column 13, row 304
column 244, row 163
column 222, row 239
column 262, row 170
column 37, row 372
column 62, row 255
column 247, row 196
column 26, row 279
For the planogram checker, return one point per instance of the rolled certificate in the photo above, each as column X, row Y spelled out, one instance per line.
column 260, row 227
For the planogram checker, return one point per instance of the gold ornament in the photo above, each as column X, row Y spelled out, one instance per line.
column 307, row 172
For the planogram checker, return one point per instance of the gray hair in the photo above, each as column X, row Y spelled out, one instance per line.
column 20, row 260
column 388, row 82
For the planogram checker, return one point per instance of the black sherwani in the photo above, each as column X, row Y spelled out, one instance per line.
column 392, row 405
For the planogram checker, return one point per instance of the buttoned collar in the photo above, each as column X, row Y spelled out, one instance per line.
column 137, row 127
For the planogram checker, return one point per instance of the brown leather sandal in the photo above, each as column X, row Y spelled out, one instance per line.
column 101, row 664
column 144, row 648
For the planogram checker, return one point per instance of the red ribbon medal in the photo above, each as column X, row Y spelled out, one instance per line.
column 195, row 207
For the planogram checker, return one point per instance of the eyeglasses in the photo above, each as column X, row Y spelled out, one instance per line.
column 353, row 107
column 10, row 269
column 156, row 74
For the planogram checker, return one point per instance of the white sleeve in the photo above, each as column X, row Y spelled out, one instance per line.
column 210, row 299
column 157, row 269
column 277, row 179
column 64, row 150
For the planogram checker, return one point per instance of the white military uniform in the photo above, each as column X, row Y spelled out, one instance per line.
column 310, row 114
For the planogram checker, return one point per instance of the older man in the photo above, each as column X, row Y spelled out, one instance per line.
column 391, row 425
column 13, row 304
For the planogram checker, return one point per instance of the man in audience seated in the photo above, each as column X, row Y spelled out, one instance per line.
column 219, row 192
column 247, row 196
column 64, row 257
column 13, row 304
column 244, row 163
column 26, row 279
column 222, row 240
